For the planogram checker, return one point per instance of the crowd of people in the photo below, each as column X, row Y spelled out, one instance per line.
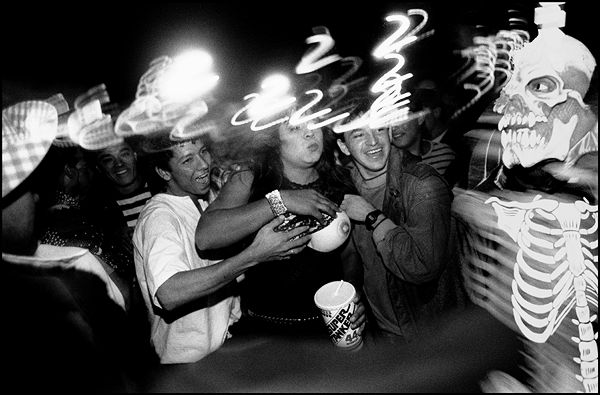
column 157, row 248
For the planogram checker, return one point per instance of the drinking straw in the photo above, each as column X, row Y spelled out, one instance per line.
column 338, row 288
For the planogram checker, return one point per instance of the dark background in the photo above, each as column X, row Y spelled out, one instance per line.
column 68, row 48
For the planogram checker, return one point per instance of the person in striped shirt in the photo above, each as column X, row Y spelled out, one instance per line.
column 127, row 186
column 421, row 134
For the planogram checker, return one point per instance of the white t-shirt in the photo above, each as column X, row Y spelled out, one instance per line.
column 164, row 244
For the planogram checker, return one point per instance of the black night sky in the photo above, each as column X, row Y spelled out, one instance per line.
column 53, row 47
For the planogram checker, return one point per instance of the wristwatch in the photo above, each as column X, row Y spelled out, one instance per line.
column 371, row 218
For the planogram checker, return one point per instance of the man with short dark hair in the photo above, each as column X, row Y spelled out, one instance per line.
column 128, row 188
column 422, row 134
column 403, row 234
column 192, row 301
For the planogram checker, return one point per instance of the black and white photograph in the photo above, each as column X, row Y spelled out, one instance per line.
column 307, row 196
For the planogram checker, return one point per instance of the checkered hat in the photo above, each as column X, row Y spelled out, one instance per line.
column 28, row 129
column 62, row 138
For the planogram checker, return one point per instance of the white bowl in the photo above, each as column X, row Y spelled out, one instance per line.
column 333, row 235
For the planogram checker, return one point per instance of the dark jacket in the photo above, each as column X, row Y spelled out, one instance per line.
column 423, row 276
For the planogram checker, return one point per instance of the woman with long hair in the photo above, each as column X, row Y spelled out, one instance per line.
column 293, row 172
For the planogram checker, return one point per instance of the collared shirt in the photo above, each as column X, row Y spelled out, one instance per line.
column 49, row 256
column 164, row 245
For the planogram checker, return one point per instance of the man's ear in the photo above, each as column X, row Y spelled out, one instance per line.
column 165, row 175
column 343, row 147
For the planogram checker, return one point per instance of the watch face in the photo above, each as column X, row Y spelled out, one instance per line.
column 371, row 218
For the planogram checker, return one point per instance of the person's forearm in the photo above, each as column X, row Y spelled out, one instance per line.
column 222, row 227
column 187, row 286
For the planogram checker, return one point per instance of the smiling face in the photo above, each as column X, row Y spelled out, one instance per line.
column 300, row 146
column 369, row 149
column 119, row 164
column 189, row 173
column 407, row 135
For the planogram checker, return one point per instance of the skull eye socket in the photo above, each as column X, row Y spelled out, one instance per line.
column 542, row 86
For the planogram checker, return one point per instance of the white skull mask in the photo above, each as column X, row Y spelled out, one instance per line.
column 542, row 106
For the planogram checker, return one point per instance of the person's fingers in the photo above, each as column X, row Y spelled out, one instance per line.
column 328, row 209
column 300, row 242
column 361, row 328
column 358, row 313
column 358, row 323
column 276, row 221
column 293, row 251
column 296, row 231
column 334, row 207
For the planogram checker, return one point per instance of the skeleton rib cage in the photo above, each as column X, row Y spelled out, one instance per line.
column 547, row 285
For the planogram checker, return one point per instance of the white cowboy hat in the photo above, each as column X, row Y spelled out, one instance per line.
column 28, row 129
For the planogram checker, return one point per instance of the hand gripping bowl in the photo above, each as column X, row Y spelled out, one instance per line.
column 324, row 238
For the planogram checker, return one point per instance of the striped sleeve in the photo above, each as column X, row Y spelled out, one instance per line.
column 440, row 156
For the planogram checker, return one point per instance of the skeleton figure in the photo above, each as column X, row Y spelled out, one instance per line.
column 544, row 116
column 555, row 272
column 553, row 239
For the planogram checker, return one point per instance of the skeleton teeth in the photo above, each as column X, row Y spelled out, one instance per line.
column 503, row 137
column 518, row 119
column 532, row 138
column 525, row 139
column 531, row 119
column 513, row 119
column 502, row 123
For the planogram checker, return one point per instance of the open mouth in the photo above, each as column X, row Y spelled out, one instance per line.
column 203, row 178
column 517, row 129
column 375, row 152
column 527, row 146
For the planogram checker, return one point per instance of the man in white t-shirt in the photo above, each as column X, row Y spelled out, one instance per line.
column 191, row 301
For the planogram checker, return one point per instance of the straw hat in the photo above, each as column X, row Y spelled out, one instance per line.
column 28, row 129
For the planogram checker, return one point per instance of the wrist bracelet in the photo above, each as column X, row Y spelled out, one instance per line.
column 276, row 203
